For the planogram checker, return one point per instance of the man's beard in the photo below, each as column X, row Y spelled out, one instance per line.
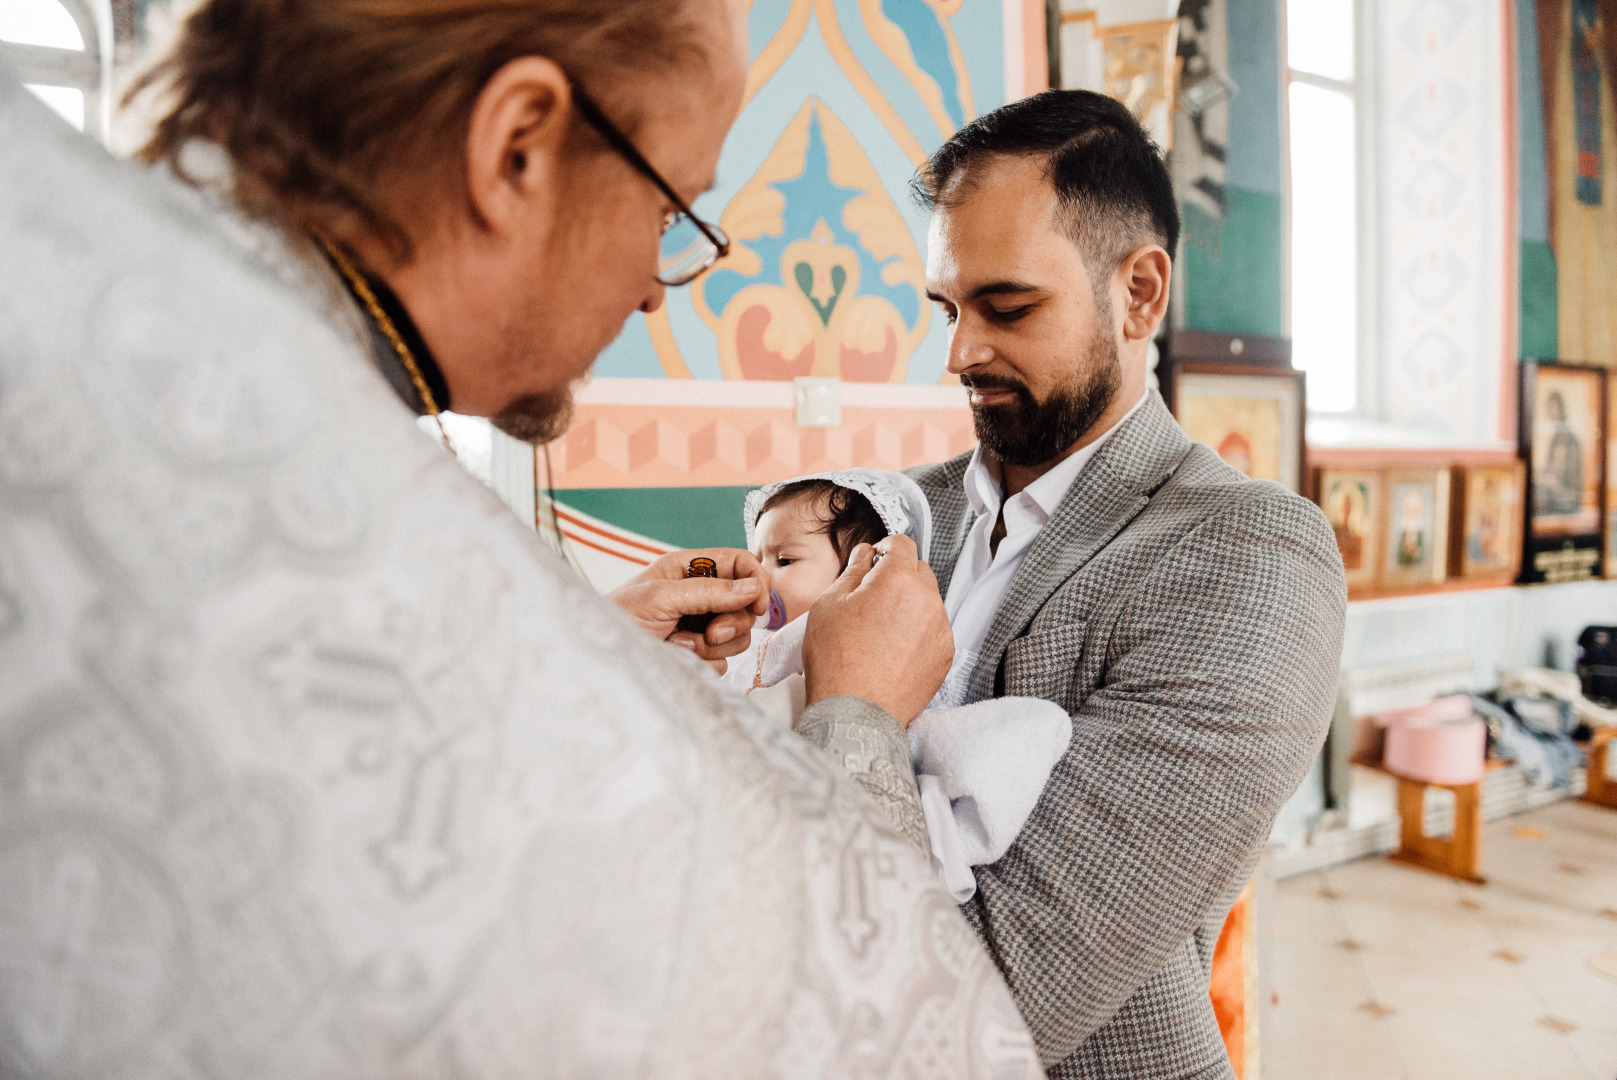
column 1026, row 432
column 537, row 418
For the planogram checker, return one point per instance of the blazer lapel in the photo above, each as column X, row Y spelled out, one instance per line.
column 951, row 518
column 1108, row 494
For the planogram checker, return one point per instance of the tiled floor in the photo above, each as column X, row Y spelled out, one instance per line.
column 1381, row 971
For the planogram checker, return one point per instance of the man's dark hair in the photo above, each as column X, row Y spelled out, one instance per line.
column 1113, row 187
column 848, row 517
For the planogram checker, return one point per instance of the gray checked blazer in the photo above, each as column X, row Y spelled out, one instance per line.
column 1190, row 620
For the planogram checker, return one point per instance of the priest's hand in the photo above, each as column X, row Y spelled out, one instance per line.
column 660, row 595
column 880, row 632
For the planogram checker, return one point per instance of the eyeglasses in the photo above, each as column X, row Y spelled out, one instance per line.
column 689, row 244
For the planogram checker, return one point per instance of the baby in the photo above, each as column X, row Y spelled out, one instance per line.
column 980, row 767
column 804, row 532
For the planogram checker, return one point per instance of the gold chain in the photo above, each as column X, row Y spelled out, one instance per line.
column 367, row 296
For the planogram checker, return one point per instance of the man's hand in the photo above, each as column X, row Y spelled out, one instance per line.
column 660, row 594
column 880, row 633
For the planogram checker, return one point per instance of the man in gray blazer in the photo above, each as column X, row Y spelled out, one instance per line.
column 1188, row 618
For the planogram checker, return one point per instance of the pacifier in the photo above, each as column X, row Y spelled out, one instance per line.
column 777, row 611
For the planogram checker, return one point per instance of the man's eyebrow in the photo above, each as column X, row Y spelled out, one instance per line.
column 1001, row 288
column 992, row 288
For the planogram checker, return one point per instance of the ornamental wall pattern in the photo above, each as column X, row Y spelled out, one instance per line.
column 1438, row 268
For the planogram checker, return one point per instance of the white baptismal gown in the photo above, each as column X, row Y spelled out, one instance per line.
column 315, row 763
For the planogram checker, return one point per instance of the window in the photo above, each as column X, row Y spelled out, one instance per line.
column 67, row 101
column 45, row 23
column 61, row 82
column 1396, row 134
column 1322, row 96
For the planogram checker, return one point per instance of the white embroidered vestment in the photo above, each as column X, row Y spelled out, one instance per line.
column 314, row 763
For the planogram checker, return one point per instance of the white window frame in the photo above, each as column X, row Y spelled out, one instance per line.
column 89, row 70
column 1361, row 90
column 1374, row 423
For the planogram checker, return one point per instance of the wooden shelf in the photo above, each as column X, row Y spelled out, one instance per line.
column 1462, row 585
column 1343, row 457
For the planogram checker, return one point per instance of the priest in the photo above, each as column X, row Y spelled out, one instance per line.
column 314, row 762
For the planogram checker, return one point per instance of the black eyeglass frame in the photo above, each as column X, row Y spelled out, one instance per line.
column 609, row 131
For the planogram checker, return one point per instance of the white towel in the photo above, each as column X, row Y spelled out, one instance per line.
column 944, row 837
column 986, row 765
column 981, row 768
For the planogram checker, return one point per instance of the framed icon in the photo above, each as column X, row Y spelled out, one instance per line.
column 1415, row 538
column 1351, row 499
column 1563, row 443
column 1252, row 416
column 1611, row 477
column 1485, row 541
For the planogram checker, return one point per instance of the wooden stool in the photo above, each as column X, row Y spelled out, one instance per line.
column 1601, row 789
column 1456, row 856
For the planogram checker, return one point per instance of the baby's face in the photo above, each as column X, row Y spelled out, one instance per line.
column 802, row 562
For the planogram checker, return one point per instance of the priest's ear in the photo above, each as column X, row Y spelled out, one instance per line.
column 515, row 140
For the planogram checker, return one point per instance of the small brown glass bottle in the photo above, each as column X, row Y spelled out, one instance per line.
column 699, row 567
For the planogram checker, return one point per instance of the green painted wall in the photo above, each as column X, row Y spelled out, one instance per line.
column 1539, row 326
column 1234, row 266
column 1537, row 273
column 684, row 517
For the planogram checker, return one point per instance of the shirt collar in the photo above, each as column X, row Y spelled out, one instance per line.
column 983, row 482
column 984, row 479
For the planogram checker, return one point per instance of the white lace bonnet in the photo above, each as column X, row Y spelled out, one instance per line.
column 898, row 501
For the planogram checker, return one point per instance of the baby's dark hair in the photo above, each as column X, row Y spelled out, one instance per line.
column 848, row 517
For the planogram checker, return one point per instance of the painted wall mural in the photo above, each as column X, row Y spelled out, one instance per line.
column 825, row 278
column 1567, row 130
column 1576, row 59
column 844, row 99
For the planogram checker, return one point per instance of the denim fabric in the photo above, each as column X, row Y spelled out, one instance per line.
column 1535, row 733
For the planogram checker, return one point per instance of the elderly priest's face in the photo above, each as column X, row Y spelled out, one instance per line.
column 538, row 239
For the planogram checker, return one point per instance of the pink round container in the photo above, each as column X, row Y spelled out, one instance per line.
column 1439, row 743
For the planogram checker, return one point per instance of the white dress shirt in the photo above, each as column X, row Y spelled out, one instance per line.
column 982, row 577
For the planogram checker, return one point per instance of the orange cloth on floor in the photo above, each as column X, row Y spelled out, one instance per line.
column 1233, row 984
